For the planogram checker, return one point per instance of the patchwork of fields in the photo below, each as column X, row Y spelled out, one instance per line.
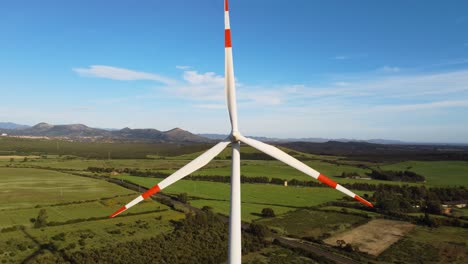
column 77, row 210
column 77, row 207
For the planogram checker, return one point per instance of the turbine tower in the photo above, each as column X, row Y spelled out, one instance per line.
column 234, row 139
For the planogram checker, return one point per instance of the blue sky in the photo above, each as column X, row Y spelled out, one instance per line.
column 332, row 69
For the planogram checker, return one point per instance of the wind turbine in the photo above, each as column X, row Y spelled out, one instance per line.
column 234, row 139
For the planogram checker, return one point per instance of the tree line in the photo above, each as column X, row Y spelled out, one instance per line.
column 405, row 176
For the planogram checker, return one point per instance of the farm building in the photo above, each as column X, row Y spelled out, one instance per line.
column 453, row 204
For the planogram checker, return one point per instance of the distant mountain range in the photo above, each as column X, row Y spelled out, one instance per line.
column 10, row 125
column 314, row 140
column 80, row 132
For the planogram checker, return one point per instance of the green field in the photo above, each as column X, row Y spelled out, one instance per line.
column 250, row 211
column 430, row 245
column 277, row 255
column 76, row 163
column 77, row 207
column 81, row 210
column 30, row 187
column 277, row 169
column 102, row 232
column 349, row 210
column 266, row 194
column 255, row 197
column 77, row 211
column 437, row 173
column 312, row 223
column 16, row 246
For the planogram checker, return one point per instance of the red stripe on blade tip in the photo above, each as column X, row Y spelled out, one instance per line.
column 324, row 179
column 358, row 198
column 118, row 211
column 226, row 6
column 151, row 191
column 227, row 38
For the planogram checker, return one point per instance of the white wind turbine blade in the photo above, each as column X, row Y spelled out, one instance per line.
column 293, row 162
column 192, row 166
column 229, row 71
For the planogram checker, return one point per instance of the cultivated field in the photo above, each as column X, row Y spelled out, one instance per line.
column 312, row 223
column 255, row 197
column 77, row 207
column 437, row 173
column 16, row 157
column 22, row 188
column 77, row 210
column 430, row 245
column 373, row 237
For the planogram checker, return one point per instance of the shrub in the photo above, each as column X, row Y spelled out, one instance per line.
column 268, row 212
column 182, row 197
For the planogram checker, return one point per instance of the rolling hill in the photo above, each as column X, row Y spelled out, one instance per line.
column 80, row 132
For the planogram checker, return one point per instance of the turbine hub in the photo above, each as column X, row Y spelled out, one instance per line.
column 235, row 136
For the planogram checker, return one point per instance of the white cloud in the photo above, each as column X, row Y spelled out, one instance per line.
column 341, row 84
column 210, row 87
column 389, row 69
column 341, row 57
column 211, row 106
column 183, row 67
column 196, row 86
column 396, row 86
column 199, row 86
column 375, row 91
column 121, row 74
column 421, row 106
column 350, row 56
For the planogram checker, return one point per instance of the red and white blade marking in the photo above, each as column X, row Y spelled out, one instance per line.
column 135, row 201
column 229, row 71
column 324, row 179
column 227, row 27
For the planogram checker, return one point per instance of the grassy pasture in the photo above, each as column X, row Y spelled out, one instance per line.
column 63, row 213
column 264, row 194
column 226, row 154
column 351, row 210
column 375, row 182
column 277, row 169
column 101, row 232
column 430, row 245
column 83, row 164
column 311, row 223
column 255, row 197
column 275, row 254
column 21, row 188
column 17, row 157
column 250, row 211
column 437, row 173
